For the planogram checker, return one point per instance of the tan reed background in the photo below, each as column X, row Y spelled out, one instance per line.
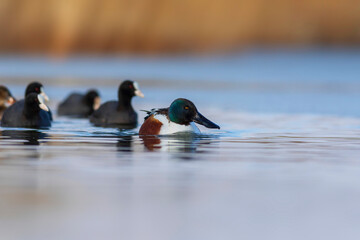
column 61, row 27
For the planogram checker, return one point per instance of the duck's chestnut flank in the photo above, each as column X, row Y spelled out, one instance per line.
column 151, row 126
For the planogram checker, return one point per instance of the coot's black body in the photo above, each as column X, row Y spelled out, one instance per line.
column 27, row 114
column 6, row 99
column 43, row 112
column 119, row 113
column 79, row 105
column 111, row 114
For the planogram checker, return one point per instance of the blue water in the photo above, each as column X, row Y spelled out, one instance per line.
column 285, row 164
column 304, row 65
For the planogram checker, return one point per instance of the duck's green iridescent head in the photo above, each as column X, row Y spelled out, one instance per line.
column 183, row 111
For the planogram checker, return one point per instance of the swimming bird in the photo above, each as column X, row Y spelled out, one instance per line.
column 179, row 117
column 29, row 113
column 80, row 105
column 6, row 99
column 38, row 88
column 119, row 113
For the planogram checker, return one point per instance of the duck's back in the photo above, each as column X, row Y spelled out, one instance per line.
column 74, row 106
column 110, row 115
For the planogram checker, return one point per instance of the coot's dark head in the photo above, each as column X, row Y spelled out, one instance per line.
column 129, row 88
column 6, row 99
column 93, row 99
column 35, row 102
column 36, row 87
column 183, row 111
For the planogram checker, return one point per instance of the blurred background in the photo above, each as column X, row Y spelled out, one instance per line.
column 281, row 78
column 62, row 28
column 275, row 53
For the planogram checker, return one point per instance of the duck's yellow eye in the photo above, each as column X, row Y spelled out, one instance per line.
column 186, row 108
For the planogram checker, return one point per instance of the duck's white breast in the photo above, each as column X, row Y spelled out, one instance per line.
column 169, row 127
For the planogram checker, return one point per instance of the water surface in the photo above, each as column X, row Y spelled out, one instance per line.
column 285, row 164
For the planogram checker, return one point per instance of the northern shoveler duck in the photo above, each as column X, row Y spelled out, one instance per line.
column 119, row 113
column 80, row 105
column 29, row 113
column 6, row 99
column 179, row 117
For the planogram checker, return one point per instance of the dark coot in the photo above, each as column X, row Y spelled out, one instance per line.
column 29, row 113
column 36, row 87
column 80, row 105
column 6, row 99
column 118, row 113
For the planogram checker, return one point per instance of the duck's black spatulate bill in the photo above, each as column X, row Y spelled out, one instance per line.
column 200, row 119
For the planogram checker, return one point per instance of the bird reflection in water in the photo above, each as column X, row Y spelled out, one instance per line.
column 124, row 143
column 125, row 140
column 21, row 137
column 176, row 143
column 151, row 142
column 29, row 137
column 126, row 126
